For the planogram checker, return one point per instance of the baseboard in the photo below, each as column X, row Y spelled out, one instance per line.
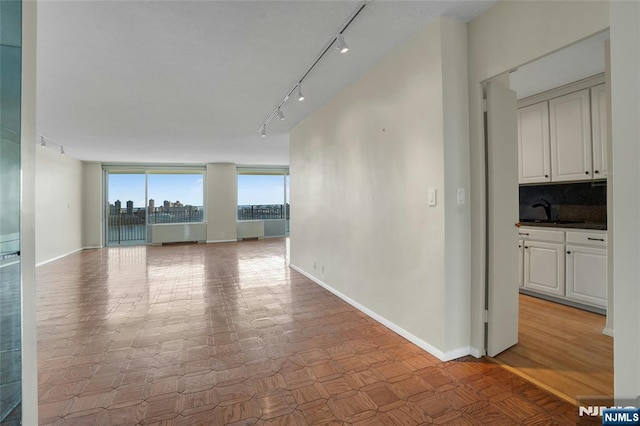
column 608, row 331
column 443, row 356
column 475, row 352
column 91, row 247
column 221, row 241
column 59, row 257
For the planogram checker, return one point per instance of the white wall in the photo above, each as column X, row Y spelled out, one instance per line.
column 508, row 35
column 360, row 169
column 625, row 108
column 58, row 205
column 27, row 216
column 92, row 204
column 222, row 200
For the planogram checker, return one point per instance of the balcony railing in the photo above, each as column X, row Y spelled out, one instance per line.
column 128, row 225
column 259, row 212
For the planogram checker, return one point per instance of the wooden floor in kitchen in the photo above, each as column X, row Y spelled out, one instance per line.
column 562, row 349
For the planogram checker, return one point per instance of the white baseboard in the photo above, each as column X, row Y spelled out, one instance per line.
column 475, row 352
column 221, row 241
column 443, row 356
column 608, row 331
column 91, row 247
column 59, row 257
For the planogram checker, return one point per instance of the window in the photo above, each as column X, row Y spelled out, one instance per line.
column 175, row 197
column 263, row 195
column 139, row 196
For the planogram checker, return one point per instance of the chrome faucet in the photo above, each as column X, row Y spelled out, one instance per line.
column 546, row 206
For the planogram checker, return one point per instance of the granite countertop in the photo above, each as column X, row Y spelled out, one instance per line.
column 571, row 225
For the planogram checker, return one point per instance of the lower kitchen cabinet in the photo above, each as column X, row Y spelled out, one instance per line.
column 587, row 275
column 544, row 267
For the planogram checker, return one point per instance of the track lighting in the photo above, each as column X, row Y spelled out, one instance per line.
column 61, row 150
column 43, row 142
column 341, row 45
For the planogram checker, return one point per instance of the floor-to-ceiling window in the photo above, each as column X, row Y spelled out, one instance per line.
column 139, row 197
column 263, row 194
column 10, row 284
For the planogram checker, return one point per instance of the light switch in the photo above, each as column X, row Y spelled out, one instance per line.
column 431, row 196
column 460, row 196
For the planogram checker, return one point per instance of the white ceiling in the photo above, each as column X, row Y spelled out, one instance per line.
column 573, row 63
column 192, row 82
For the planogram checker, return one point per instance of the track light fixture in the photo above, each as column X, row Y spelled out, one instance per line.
column 45, row 143
column 341, row 45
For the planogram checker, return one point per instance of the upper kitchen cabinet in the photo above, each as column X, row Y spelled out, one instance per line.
column 599, row 126
column 563, row 133
column 533, row 144
column 570, row 137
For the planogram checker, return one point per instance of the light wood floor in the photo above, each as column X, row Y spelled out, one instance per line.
column 562, row 349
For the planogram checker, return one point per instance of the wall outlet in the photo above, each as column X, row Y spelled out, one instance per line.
column 223, row 234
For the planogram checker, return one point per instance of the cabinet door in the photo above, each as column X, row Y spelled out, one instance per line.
column 599, row 126
column 521, row 264
column 570, row 125
column 587, row 275
column 533, row 144
column 544, row 267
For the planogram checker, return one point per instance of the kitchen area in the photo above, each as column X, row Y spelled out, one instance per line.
column 562, row 168
column 565, row 340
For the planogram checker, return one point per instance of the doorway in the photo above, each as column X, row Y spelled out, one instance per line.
column 580, row 360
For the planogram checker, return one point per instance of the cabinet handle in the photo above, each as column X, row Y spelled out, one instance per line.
column 586, row 173
column 596, row 172
column 568, row 252
column 523, row 233
column 526, row 247
column 546, row 176
column 595, row 239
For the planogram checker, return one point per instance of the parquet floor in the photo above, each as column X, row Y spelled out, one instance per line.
column 228, row 334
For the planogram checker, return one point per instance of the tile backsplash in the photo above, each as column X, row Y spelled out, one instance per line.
column 583, row 201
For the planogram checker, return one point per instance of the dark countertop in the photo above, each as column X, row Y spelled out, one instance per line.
column 580, row 225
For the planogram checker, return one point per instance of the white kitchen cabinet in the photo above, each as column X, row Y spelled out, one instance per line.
column 586, row 279
column 533, row 144
column 570, row 137
column 544, row 267
column 599, row 126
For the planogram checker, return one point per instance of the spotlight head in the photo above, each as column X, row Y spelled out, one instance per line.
column 280, row 114
column 300, row 95
column 341, row 45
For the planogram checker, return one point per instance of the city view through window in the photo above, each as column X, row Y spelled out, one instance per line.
column 262, row 196
column 138, row 199
column 172, row 198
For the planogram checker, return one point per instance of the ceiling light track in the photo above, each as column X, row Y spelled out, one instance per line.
column 45, row 143
column 341, row 45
